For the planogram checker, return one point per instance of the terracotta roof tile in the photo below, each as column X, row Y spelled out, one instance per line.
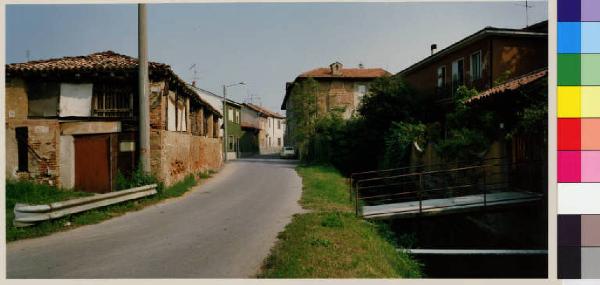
column 264, row 111
column 325, row 72
column 100, row 61
column 510, row 85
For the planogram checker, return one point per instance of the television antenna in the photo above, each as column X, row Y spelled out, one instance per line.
column 194, row 69
column 527, row 6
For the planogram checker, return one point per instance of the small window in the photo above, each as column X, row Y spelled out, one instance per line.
column 22, row 137
column 279, row 124
column 441, row 77
column 278, row 141
column 476, row 66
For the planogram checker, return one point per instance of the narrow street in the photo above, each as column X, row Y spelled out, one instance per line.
column 223, row 228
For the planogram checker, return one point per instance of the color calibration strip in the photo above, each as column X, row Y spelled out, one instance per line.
column 578, row 143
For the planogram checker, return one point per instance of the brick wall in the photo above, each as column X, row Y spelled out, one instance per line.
column 43, row 139
column 175, row 155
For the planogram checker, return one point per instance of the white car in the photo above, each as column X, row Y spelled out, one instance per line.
column 287, row 152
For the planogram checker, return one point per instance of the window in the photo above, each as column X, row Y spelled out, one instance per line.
column 441, row 77
column 22, row 153
column 458, row 74
column 476, row 66
column 231, row 143
column 279, row 124
column 361, row 90
column 230, row 114
column 237, row 116
column 112, row 100
column 43, row 98
column 278, row 141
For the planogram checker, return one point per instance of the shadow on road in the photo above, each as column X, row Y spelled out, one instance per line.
column 268, row 159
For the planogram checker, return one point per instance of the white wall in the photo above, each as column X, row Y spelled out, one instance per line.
column 75, row 100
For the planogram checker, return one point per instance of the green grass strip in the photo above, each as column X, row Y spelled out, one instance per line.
column 330, row 241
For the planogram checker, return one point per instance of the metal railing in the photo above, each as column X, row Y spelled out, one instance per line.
column 399, row 185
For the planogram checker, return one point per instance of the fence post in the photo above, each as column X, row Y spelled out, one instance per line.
column 484, row 188
column 420, row 193
column 356, row 199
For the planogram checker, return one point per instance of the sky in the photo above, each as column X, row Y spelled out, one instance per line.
column 262, row 44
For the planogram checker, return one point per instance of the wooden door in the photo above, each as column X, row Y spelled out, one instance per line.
column 92, row 163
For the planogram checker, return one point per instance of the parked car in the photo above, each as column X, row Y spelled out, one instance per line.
column 288, row 152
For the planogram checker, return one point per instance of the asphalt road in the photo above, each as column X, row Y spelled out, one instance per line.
column 224, row 228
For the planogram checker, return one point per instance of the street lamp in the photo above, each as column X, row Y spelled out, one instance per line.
column 225, row 116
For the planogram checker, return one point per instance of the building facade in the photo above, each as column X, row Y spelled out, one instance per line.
column 482, row 60
column 263, row 130
column 233, row 115
column 339, row 88
column 73, row 122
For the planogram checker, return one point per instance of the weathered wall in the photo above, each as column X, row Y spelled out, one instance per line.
column 67, row 161
column 339, row 94
column 43, row 139
column 44, row 150
column 174, row 155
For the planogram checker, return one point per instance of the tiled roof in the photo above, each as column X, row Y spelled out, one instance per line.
column 264, row 111
column 510, row 85
column 325, row 72
column 100, row 61
column 106, row 61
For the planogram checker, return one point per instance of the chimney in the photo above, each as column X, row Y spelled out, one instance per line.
column 433, row 48
column 194, row 83
column 336, row 68
column 361, row 66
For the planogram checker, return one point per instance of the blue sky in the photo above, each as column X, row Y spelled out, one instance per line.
column 262, row 44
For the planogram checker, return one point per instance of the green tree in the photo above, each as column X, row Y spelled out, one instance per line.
column 303, row 114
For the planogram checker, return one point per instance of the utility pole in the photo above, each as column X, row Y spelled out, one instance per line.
column 143, row 90
column 225, row 119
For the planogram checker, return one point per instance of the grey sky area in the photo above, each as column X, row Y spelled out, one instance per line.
column 262, row 44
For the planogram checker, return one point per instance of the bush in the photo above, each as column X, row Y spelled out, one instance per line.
column 138, row 178
column 398, row 142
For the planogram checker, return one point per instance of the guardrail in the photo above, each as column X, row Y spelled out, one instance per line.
column 392, row 186
column 27, row 215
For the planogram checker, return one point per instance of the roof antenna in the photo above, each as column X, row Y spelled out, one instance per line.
column 527, row 6
column 195, row 73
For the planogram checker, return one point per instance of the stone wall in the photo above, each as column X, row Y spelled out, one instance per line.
column 174, row 155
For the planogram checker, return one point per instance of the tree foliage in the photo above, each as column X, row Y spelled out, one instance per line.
column 303, row 115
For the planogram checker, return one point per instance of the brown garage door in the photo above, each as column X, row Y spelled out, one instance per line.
column 92, row 163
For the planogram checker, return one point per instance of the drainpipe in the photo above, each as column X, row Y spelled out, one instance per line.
column 144, row 118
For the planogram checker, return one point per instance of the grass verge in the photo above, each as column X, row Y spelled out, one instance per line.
column 330, row 242
column 27, row 192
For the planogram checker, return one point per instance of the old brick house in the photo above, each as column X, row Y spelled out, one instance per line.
column 494, row 61
column 481, row 60
column 72, row 122
column 339, row 88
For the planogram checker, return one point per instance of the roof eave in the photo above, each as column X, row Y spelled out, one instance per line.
column 468, row 40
